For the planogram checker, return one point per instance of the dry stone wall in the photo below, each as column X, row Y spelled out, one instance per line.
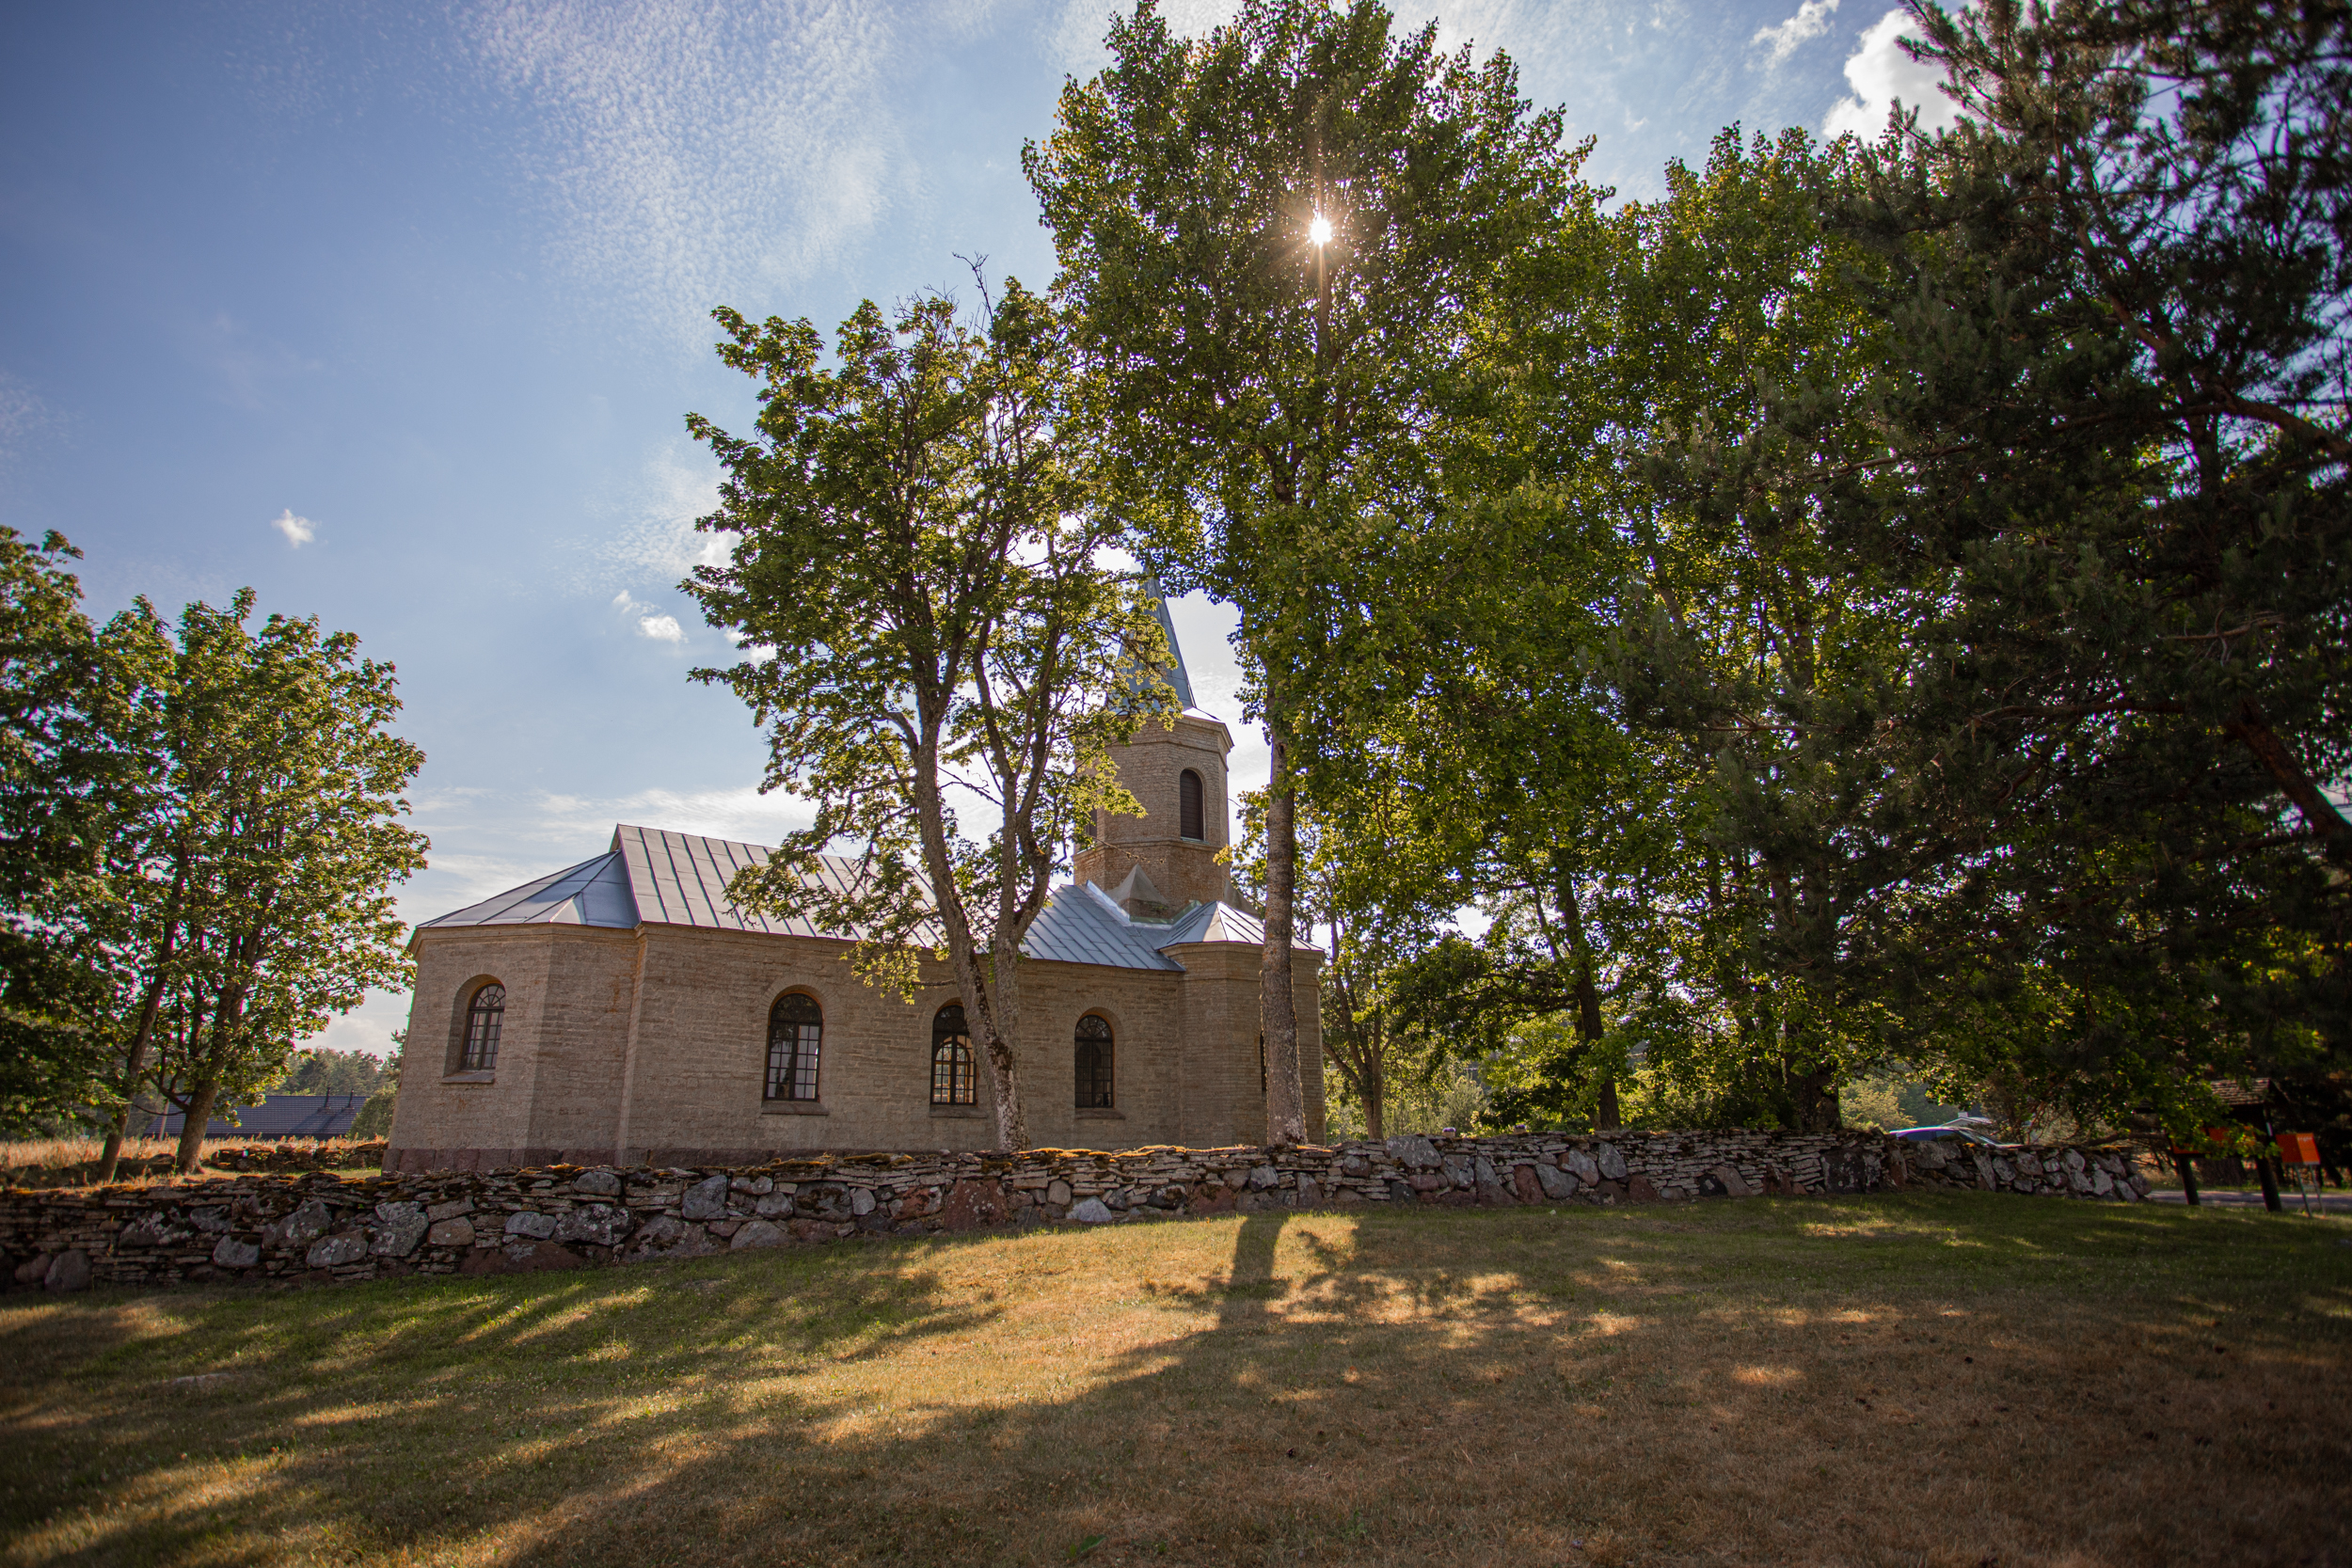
column 321, row 1229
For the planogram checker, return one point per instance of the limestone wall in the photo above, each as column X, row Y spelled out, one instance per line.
column 652, row 1045
column 320, row 1228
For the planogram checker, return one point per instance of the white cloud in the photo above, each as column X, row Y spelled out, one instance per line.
column 1811, row 21
column 650, row 620
column 298, row 530
column 1881, row 74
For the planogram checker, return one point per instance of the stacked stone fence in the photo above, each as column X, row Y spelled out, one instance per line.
column 321, row 1229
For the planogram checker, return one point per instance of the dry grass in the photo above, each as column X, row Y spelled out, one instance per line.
column 1954, row 1379
column 73, row 1162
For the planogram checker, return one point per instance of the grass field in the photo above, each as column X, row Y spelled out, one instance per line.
column 1959, row 1379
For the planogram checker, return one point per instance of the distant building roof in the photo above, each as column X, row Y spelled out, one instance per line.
column 654, row 876
column 281, row 1115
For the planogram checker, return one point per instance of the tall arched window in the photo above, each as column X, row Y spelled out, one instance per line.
column 1094, row 1063
column 1191, row 820
column 483, row 1016
column 796, row 1032
column 952, row 1083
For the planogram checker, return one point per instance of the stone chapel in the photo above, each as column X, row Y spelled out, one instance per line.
column 622, row 1011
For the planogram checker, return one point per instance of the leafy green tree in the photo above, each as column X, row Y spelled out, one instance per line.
column 920, row 583
column 1765, row 654
column 321, row 1071
column 62, row 781
column 258, row 882
column 374, row 1120
column 2113, row 407
column 1283, row 240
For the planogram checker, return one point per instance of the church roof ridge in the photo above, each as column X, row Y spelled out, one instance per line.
column 656, row 875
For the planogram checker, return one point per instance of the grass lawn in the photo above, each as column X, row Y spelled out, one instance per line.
column 1935, row 1378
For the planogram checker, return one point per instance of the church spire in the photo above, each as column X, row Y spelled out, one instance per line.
column 1181, row 679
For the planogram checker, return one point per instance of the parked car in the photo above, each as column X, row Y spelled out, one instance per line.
column 1951, row 1135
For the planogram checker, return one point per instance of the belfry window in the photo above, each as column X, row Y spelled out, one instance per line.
column 484, row 1014
column 796, row 1033
column 1191, row 820
column 952, row 1083
column 1094, row 1063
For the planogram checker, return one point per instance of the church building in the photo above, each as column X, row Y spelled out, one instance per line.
column 623, row 1011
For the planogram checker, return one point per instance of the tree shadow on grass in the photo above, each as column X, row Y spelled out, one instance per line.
column 1810, row 1381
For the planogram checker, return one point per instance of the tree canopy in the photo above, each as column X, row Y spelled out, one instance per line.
column 922, row 584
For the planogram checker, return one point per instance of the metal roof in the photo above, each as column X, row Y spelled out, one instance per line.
column 654, row 876
column 278, row 1115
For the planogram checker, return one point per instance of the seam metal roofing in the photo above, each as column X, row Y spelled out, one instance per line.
column 654, row 876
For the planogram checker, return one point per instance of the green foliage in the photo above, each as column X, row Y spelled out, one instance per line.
column 59, row 788
column 374, row 1120
column 2113, row 410
column 319, row 1071
column 1288, row 413
column 1890, row 1099
column 918, row 584
column 1916, row 629
column 255, row 877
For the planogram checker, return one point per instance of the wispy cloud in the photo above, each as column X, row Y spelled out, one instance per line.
column 1882, row 75
column 701, row 154
column 25, row 418
column 298, row 530
column 680, row 484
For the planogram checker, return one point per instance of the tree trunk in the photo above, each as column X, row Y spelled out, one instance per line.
column 1002, row 1022
column 1588, row 1023
column 199, row 1116
column 2251, row 729
column 112, row 1153
column 1285, row 1102
column 136, row 1056
column 1375, row 1091
column 1814, row 1097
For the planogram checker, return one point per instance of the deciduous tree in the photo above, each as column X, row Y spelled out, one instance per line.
column 257, row 883
column 1281, row 240
column 922, row 586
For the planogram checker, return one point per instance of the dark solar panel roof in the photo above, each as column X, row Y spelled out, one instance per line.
column 654, row 876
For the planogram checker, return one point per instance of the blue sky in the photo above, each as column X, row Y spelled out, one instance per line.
column 394, row 312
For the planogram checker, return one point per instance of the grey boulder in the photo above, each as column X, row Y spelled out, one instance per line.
column 598, row 1224
column 706, row 1201
column 233, row 1253
column 332, row 1252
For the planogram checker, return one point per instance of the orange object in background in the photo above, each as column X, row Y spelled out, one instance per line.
column 2299, row 1148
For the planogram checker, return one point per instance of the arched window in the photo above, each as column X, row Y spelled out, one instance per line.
column 1191, row 821
column 952, row 1083
column 484, row 1014
column 1094, row 1063
column 796, row 1032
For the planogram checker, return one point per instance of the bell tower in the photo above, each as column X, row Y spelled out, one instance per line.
column 1155, row 864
